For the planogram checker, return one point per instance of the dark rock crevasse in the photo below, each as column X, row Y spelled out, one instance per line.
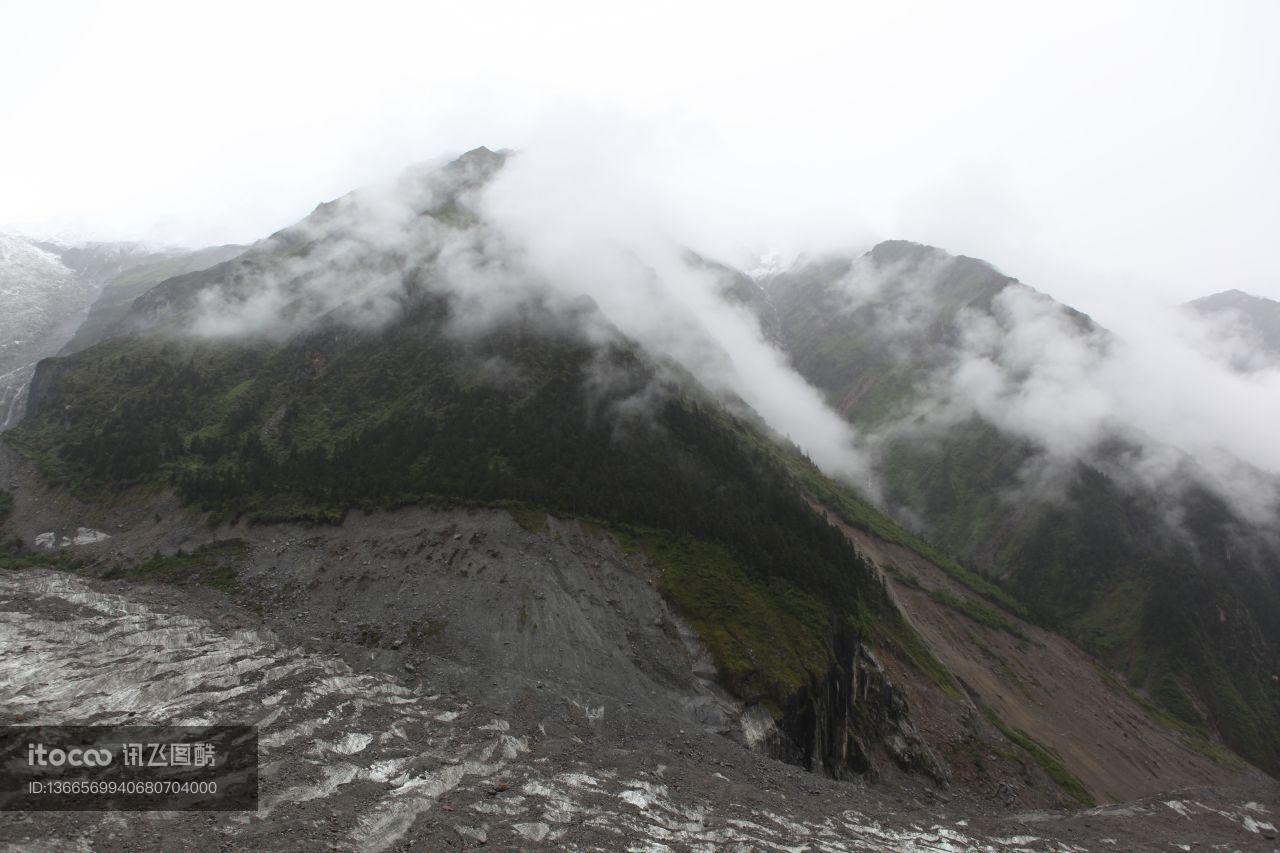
column 837, row 725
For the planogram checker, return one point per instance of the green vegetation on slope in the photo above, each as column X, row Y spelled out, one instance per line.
column 14, row 556
column 214, row 565
column 525, row 413
column 1051, row 764
column 760, row 633
column 1100, row 565
column 764, row 634
column 1193, row 736
column 978, row 612
column 860, row 514
column 117, row 296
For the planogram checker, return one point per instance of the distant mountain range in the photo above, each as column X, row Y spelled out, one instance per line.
column 59, row 295
column 44, row 302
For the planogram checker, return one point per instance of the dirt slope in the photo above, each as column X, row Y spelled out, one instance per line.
column 1038, row 683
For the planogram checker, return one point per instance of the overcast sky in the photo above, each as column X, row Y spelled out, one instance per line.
column 1110, row 154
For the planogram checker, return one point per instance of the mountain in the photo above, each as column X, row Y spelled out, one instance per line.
column 403, row 482
column 1243, row 330
column 547, row 407
column 43, row 302
column 127, row 284
column 46, row 289
column 950, row 370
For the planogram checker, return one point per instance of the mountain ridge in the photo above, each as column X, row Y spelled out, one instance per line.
column 885, row 352
column 545, row 411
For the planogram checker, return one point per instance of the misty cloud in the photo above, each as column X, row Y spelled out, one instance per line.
column 351, row 260
column 581, row 227
column 1048, row 375
column 497, row 233
column 563, row 222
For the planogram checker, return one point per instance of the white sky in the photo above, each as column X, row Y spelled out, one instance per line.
column 1111, row 153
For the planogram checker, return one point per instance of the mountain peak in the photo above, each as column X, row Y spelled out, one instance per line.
column 1247, row 327
column 482, row 153
column 483, row 158
column 896, row 249
column 1233, row 299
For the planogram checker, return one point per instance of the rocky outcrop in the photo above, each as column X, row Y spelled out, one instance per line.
column 852, row 720
column 40, row 389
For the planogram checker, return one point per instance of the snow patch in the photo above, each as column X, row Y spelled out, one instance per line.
column 635, row 798
column 82, row 536
column 535, row 831
column 1257, row 825
column 757, row 727
column 88, row 536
